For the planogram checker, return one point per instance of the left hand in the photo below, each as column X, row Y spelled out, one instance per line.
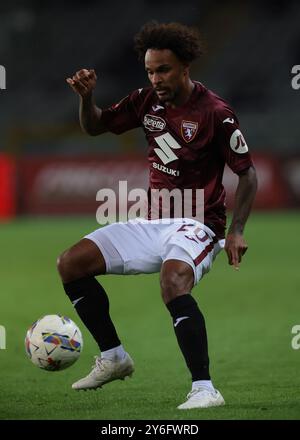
column 235, row 247
column 83, row 82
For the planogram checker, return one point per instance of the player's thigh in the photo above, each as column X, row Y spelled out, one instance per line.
column 128, row 248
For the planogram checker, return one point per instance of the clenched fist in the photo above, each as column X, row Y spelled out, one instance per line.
column 83, row 82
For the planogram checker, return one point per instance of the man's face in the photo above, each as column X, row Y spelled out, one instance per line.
column 166, row 73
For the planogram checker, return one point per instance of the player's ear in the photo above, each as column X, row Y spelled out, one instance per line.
column 186, row 69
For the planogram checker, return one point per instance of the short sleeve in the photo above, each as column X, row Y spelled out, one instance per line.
column 123, row 116
column 231, row 141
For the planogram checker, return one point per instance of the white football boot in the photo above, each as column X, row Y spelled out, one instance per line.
column 104, row 371
column 202, row 398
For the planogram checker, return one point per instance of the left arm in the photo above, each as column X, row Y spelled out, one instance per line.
column 235, row 245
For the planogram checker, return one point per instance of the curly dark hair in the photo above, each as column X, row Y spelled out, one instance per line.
column 185, row 42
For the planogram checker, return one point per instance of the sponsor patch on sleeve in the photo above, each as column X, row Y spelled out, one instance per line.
column 238, row 143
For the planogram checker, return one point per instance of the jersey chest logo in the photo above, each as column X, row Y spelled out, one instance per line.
column 154, row 123
column 189, row 130
column 167, row 144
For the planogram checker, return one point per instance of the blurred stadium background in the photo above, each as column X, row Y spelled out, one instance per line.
column 50, row 173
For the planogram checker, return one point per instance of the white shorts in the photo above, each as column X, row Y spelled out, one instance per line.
column 141, row 246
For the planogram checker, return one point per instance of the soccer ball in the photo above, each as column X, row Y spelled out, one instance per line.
column 53, row 342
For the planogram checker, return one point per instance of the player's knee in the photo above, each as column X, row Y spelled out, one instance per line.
column 64, row 265
column 81, row 260
column 70, row 267
column 175, row 283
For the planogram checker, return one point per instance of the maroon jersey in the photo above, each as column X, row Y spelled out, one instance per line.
column 188, row 146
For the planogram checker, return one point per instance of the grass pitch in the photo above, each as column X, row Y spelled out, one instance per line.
column 249, row 316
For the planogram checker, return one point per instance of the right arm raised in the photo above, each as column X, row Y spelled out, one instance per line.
column 83, row 83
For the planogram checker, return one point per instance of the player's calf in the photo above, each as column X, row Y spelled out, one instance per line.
column 77, row 267
column 177, row 279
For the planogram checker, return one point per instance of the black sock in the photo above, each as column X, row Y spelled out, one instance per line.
column 189, row 326
column 91, row 303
